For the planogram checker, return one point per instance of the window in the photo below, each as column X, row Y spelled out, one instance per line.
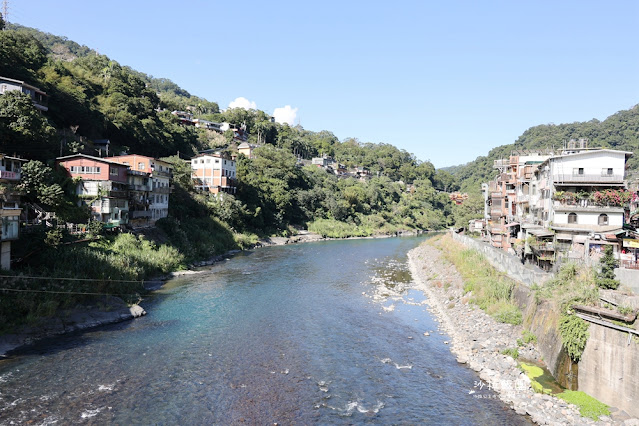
column 603, row 219
column 140, row 166
column 3, row 88
column 572, row 218
column 578, row 171
column 113, row 171
column 217, row 161
column 606, row 172
column 208, row 160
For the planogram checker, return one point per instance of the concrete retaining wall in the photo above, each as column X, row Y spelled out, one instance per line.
column 629, row 278
column 609, row 368
column 505, row 262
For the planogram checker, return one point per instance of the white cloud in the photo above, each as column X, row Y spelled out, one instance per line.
column 242, row 103
column 285, row 114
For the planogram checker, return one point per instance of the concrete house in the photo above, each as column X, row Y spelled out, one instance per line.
column 39, row 98
column 10, row 173
column 159, row 173
column 104, row 186
column 214, row 173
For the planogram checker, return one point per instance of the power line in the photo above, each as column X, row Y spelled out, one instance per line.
column 66, row 292
column 70, row 279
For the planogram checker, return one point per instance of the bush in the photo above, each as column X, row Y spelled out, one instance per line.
column 605, row 278
column 511, row 352
column 506, row 312
column 574, row 335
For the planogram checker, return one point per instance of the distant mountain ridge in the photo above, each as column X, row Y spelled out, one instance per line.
column 620, row 131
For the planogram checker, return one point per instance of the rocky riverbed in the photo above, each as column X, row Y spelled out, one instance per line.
column 478, row 340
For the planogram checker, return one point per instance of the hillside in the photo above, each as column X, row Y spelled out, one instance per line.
column 619, row 131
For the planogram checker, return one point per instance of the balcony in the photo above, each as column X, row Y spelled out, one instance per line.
column 133, row 187
column 138, row 214
column 594, row 178
column 7, row 175
column 501, row 163
column 161, row 190
column 157, row 173
column 585, row 206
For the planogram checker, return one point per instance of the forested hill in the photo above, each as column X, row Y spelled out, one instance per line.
column 619, row 131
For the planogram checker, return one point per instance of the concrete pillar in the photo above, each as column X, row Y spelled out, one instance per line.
column 5, row 257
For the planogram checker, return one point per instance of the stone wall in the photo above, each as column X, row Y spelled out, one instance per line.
column 506, row 262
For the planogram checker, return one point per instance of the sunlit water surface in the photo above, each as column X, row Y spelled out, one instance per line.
column 324, row 333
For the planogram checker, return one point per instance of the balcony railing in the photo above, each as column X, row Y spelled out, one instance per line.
column 588, row 178
column 584, row 205
column 9, row 175
column 136, row 214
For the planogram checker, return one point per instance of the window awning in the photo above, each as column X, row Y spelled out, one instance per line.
column 512, row 224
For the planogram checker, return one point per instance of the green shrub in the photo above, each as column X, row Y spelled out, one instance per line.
column 574, row 335
column 506, row 312
column 527, row 337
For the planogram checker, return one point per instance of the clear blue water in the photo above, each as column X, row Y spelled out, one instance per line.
column 321, row 333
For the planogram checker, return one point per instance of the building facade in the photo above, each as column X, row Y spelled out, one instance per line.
column 10, row 173
column 103, row 187
column 160, row 174
column 214, row 173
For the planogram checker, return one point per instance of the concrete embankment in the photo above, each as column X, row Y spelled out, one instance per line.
column 477, row 340
column 111, row 310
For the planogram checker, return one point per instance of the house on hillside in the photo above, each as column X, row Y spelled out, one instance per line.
column 39, row 98
column 552, row 205
column 103, row 187
column 10, row 173
column 159, row 173
column 213, row 172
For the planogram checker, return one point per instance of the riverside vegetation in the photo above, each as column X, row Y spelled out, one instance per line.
column 491, row 291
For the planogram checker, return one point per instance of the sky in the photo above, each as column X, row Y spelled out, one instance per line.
column 444, row 80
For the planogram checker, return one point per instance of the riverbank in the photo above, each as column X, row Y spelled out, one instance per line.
column 108, row 310
column 478, row 340
column 112, row 310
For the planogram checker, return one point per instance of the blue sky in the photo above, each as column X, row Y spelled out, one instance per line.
column 445, row 80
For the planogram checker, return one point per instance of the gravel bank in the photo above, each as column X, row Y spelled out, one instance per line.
column 477, row 340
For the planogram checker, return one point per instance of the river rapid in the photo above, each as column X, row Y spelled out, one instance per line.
column 321, row 333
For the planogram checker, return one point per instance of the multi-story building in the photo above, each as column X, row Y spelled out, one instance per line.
column 103, row 187
column 38, row 97
column 10, row 173
column 560, row 205
column 213, row 172
column 159, row 173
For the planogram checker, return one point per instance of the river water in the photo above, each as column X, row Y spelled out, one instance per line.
column 320, row 333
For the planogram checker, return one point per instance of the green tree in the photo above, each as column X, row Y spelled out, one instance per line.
column 605, row 278
column 23, row 129
column 37, row 183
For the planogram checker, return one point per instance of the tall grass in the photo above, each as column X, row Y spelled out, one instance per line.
column 491, row 290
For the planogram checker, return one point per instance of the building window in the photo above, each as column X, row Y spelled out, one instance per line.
column 606, row 172
column 603, row 219
column 217, row 161
column 572, row 218
column 578, row 171
column 113, row 171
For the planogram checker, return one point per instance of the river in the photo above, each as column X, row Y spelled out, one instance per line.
column 320, row 333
